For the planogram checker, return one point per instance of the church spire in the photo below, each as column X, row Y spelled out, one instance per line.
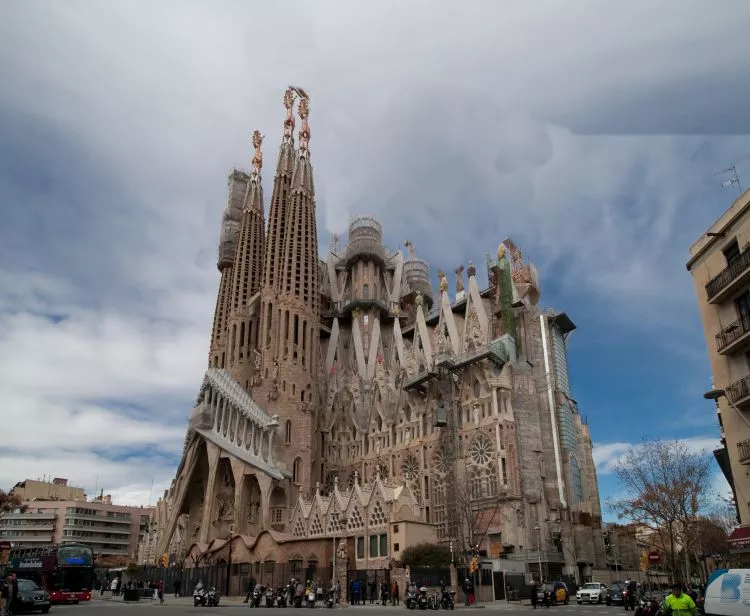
column 289, row 298
column 247, row 275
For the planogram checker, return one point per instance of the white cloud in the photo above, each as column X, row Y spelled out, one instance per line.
column 608, row 455
column 453, row 125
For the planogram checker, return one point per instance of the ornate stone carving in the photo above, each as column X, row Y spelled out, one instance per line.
column 459, row 278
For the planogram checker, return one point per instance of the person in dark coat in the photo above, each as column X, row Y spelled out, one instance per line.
column 534, row 598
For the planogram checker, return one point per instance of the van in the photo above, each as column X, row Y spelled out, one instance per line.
column 728, row 593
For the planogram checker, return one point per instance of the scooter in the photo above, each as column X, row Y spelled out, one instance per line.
column 448, row 600
column 410, row 599
column 330, row 598
column 212, row 597
column 258, row 593
column 422, row 601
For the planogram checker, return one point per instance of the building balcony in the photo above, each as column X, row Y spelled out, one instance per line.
column 734, row 338
column 29, row 516
column 48, row 528
column 99, row 529
column 98, row 518
column 743, row 449
column 739, row 393
column 732, row 278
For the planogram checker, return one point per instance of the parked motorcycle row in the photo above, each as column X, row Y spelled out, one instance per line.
column 291, row 595
column 418, row 599
column 203, row 597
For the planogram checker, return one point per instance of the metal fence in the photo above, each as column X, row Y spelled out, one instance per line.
column 182, row 580
column 366, row 577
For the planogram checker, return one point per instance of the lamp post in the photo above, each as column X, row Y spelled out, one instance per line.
column 715, row 394
column 538, row 530
column 229, row 560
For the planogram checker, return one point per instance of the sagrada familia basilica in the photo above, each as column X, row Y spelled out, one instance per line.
column 347, row 398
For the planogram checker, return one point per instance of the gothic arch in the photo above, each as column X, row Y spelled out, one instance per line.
column 250, row 519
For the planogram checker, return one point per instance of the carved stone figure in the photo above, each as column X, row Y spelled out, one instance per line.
column 459, row 278
column 275, row 370
column 258, row 156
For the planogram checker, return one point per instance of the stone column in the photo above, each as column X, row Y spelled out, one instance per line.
column 342, row 567
column 271, row 432
column 208, row 498
column 494, row 402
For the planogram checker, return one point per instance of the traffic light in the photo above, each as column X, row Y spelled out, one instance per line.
column 164, row 560
column 474, row 565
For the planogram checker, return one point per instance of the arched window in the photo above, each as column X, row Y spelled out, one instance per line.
column 288, row 432
column 296, row 470
column 477, row 388
column 365, row 291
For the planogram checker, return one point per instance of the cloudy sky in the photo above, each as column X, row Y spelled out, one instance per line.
column 588, row 132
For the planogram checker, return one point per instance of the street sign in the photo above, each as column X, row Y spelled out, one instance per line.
column 654, row 556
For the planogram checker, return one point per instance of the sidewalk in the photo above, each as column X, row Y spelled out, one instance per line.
column 236, row 601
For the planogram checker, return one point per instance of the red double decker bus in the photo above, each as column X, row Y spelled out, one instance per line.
column 65, row 571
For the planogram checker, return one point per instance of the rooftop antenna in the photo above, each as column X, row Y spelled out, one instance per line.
column 734, row 178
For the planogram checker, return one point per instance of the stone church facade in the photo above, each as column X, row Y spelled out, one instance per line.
column 345, row 396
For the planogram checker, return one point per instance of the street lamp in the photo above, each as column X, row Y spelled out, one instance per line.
column 538, row 530
column 229, row 560
column 715, row 394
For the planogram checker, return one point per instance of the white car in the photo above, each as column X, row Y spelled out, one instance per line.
column 592, row 592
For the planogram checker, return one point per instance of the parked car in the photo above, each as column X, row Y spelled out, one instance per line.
column 615, row 593
column 592, row 592
column 32, row 598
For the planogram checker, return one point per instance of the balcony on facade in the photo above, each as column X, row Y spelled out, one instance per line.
column 739, row 393
column 734, row 338
column 732, row 278
column 743, row 449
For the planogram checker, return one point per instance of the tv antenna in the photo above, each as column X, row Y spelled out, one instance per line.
column 734, row 178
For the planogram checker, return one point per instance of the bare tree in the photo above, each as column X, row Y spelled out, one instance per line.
column 475, row 515
column 666, row 488
column 10, row 502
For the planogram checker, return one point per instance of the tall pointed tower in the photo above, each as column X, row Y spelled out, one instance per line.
column 244, row 296
column 230, row 230
column 290, row 301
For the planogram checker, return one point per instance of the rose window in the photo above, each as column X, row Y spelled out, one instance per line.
column 410, row 468
column 441, row 461
column 481, row 451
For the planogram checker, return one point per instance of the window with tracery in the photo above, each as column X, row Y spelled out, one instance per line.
column 296, row 470
column 482, row 468
column 477, row 388
column 288, row 432
column 410, row 468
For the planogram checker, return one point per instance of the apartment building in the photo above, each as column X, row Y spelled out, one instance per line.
column 720, row 266
column 112, row 530
column 56, row 489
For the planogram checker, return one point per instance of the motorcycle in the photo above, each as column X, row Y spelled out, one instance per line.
column 270, row 597
column 258, row 593
column 280, row 598
column 208, row 599
column 410, row 599
column 448, row 600
column 422, row 602
column 433, row 602
column 330, row 598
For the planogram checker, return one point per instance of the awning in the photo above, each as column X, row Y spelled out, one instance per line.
column 739, row 539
